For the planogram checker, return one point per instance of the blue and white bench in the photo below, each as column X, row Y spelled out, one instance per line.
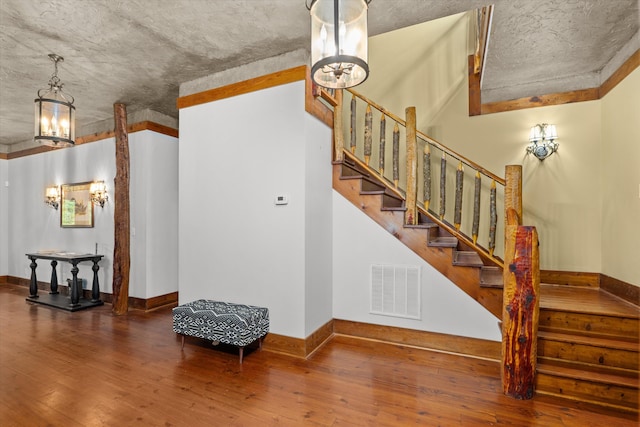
column 222, row 322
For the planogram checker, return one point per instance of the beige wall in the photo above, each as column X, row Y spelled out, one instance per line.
column 621, row 180
column 582, row 200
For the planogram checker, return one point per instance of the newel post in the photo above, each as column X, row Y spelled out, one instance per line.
column 521, row 294
column 412, row 167
column 338, row 127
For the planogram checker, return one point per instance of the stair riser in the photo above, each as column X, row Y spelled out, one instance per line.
column 617, row 358
column 623, row 327
column 588, row 391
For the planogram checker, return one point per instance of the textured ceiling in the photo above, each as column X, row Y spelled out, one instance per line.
column 139, row 51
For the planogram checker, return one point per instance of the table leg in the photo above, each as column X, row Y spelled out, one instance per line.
column 75, row 293
column 33, row 285
column 95, row 289
column 54, row 277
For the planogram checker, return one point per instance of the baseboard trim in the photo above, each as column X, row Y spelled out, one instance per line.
column 466, row 346
column 134, row 302
column 624, row 290
column 299, row 347
column 570, row 278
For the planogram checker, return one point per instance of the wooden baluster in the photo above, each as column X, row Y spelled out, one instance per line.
column 383, row 140
column 338, row 128
column 352, row 144
column 476, row 208
column 457, row 211
column 412, row 166
column 368, row 121
column 521, row 299
column 493, row 218
column 443, row 184
column 426, row 172
column 396, row 154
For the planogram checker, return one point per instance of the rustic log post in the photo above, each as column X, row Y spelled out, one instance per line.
column 121, row 250
column 476, row 208
column 493, row 218
column 396, row 154
column 457, row 211
column 513, row 190
column 338, row 128
column 443, row 185
column 426, row 171
column 410, row 217
column 352, row 143
column 368, row 132
column 521, row 295
column 383, row 140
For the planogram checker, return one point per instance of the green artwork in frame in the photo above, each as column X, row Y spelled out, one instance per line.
column 76, row 207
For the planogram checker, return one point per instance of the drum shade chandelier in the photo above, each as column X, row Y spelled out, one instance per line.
column 55, row 120
column 339, row 42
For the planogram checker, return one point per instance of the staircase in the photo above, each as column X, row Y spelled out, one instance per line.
column 588, row 347
column 587, row 339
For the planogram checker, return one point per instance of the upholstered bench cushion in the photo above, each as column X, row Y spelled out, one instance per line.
column 234, row 324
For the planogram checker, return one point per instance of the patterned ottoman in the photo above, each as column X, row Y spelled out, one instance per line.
column 234, row 324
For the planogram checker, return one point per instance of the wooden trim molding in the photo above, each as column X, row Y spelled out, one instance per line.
column 570, row 278
column 135, row 127
column 263, row 82
column 4, row 156
column 299, row 347
column 475, row 99
column 591, row 94
column 624, row 290
column 475, row 347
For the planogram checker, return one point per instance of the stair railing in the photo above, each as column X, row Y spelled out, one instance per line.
column 441, row 169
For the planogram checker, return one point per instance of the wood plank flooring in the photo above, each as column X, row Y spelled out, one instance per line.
column 91, row 368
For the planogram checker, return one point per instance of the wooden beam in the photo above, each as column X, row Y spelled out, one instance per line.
column 474, row 88
column 121, row 250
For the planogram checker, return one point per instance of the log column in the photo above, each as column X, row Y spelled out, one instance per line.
column 412, row 167
column 121, row 251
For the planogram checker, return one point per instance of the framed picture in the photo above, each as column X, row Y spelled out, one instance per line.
column 76, row 207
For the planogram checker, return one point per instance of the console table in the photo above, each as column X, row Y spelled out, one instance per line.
column 54, row 299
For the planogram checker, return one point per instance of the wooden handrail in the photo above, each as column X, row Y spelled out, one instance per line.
column 430, row 140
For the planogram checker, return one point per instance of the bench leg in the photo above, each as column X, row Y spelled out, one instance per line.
column 182, row 342
column 241, row 354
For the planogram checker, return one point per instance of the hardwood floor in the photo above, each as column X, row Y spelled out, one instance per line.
column 91, row 368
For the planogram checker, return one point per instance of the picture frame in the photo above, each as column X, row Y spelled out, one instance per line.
column 76, row 208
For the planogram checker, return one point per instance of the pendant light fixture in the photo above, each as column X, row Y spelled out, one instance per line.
column 55, row 120
column 339, row 42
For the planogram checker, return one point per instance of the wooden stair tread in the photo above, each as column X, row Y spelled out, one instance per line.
column 581, row 299
column 425, row 225
column 443, row 242
column 580, row 374
column 617, row 344
column 467, row 258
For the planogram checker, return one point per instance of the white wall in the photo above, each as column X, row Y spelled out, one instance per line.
column 359, row 242
column 236, row 156
column 4, row 217
column 34, row 226
column 621, row 180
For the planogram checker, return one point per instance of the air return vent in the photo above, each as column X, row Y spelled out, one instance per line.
column 395, row 291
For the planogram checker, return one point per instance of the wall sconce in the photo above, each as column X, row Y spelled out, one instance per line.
column 52, row 196
column 98, row 191
column 339, row 42
column 55, row 123
column 542, row 141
